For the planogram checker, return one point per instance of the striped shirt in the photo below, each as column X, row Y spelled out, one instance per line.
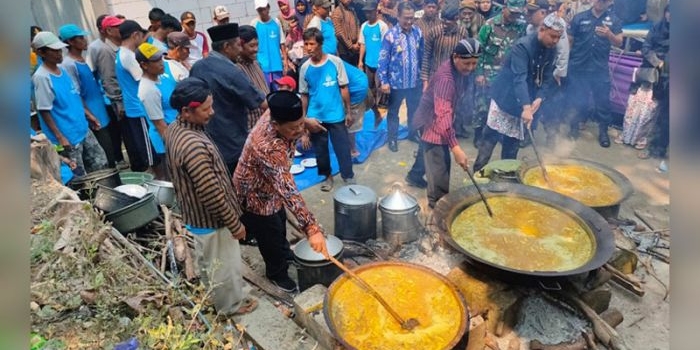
column 435, row 112
column 438, row 48
column 254, row 72
column 345, row 25
column 425, row 24
column 262, row 178
column 203, row 187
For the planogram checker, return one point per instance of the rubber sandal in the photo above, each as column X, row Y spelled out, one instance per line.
column 247, row 306
column 355, row 154
column 644, row 154
column 327, row 185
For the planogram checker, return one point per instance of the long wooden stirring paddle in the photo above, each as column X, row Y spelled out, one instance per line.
column 539, row 160
column 481, row 194
column 408, row 324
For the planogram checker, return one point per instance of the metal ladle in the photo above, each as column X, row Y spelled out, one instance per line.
column 408, row 324
column 539, row 160
column 481, row 194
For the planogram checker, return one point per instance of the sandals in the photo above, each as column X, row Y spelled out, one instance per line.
column 327, row 184
column 247, row 306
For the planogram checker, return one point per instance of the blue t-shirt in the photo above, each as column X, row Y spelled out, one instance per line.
column 322, row 83
column 330, row 42
column 358, row 83
column 125, row 70
column 165, row 85
column 91, row 92
column 269, row 40
column 372, row 36
column 59, row 95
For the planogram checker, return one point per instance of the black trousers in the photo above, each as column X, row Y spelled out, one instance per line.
column 489, row 138
column 437, row 171
column 104, row 138
column 271, row 233
column 581, row 87
column 115, row 134
column 340, row 139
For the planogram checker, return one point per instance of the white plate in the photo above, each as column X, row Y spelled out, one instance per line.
column 132, row 190
column 297, row 153
column 296, row 169
column 308, row 162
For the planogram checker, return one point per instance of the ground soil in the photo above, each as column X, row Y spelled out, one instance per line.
column 647, row 320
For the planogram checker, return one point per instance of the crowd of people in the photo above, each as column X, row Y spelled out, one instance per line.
column 221, row 115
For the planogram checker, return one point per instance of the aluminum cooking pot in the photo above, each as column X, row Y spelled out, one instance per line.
column 312, row 267
column 451, row 205
column 303, row 251
column 400, row 222
column 164, row 191
column 86, row 185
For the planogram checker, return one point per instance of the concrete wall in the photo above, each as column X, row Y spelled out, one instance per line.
column 52, row 14
column 241, row 11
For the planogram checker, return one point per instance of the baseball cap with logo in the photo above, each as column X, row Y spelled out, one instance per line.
column 323, row 3
column 129, row 27
column 261, row 4
column 516, row 6
column 187, row 17
column 220, row 12
column 70, row 31
column 111, row 21
column 178, row 39
column 47, row 39
column 147, row 52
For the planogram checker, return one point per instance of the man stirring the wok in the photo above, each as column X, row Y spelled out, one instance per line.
column 265, row 185
column 520, row 88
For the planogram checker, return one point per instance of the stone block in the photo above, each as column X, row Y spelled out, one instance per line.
column 270, row 330
column 308, row 307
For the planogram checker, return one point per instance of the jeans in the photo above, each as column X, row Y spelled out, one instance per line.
column 489, row 138
column 438, row 164
column 341, row 145
column 271, row 233
column 396, row 97
column 88, row 155
column 582, row 85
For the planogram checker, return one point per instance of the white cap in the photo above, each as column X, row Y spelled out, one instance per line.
column 48, row 39
column 220, row 12
column 261, row 4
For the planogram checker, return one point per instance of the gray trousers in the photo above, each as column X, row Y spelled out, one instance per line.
column 219, row 259
column 437, row 171
column 88, row 155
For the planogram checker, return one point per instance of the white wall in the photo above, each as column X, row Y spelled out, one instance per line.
column 241, row 11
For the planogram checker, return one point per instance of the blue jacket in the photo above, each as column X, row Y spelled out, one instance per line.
column 526, row 75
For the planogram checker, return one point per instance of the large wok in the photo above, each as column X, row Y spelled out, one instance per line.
column 448, row 207
column 624, row 184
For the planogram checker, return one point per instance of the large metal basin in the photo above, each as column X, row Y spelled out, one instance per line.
column 451, row 205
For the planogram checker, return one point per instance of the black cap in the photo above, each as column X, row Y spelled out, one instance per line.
column 247, row 33
column 450, row 11
column 285, row 106
column 223, row 32
column 188, row 90
column 370, row 5
column 534, row 5
column 129, row 27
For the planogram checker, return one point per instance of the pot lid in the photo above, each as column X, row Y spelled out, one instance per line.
column 303, row 251
column 355, row 195
column 398, row 199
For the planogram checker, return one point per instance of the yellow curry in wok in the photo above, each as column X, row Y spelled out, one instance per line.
column 364, row 324
column 585, row 184
column 524, row 235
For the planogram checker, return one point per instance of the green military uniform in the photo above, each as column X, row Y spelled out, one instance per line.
column 497, row 38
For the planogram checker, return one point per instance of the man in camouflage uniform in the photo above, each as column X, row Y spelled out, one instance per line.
column 496, row 35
